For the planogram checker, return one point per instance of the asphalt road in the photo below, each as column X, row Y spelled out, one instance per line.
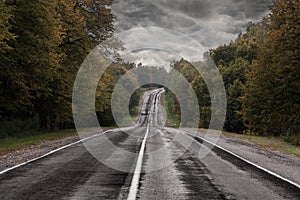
column 169, row 162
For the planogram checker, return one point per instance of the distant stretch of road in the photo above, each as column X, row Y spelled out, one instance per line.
column 162, row 168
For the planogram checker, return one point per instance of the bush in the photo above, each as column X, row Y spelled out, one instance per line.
column 294, row 139
column 19, row 128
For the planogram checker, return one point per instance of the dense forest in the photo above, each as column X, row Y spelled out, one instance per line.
column 261, row 74
column 261, row 71
column 43, row 44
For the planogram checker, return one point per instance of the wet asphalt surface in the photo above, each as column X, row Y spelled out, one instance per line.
column 172, row 169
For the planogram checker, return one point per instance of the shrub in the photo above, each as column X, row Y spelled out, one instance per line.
column 19, row 128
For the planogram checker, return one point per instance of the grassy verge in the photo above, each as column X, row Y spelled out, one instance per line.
column 273, row 143
column 168, row 102
column 12, row 144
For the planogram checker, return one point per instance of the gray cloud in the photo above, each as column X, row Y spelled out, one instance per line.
column 209, row 22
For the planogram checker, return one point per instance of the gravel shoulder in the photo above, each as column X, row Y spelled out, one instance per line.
column 33, row 151
column 286, row 165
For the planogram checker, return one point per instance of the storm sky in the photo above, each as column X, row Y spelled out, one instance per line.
column 209, row 22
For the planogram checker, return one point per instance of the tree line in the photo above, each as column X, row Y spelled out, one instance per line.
column 43, row 44
column 261, row 74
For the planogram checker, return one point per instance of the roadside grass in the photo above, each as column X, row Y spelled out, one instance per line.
column 172, row 120
column 274, row 143
column 11, row 144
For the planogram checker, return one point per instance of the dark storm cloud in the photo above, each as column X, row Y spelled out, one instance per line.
column 193, row 8
column 210, row 22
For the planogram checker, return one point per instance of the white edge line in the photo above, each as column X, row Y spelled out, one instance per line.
column 137, row 172
column 247, row 161
column 51, row 152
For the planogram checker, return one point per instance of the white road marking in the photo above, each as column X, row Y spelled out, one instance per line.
column 247, row 161
column 138, row 169
column 49, row 153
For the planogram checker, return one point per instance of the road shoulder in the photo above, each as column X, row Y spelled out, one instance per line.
column 27, row 153
column 283, row 164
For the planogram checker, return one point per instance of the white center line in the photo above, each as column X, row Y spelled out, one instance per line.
column 137, row 172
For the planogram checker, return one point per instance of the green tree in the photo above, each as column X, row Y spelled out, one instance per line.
column 52, row 40
column 25, row 71
column 99, row 19
column 233, row 61
column 5, row 32
column 271, row 104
